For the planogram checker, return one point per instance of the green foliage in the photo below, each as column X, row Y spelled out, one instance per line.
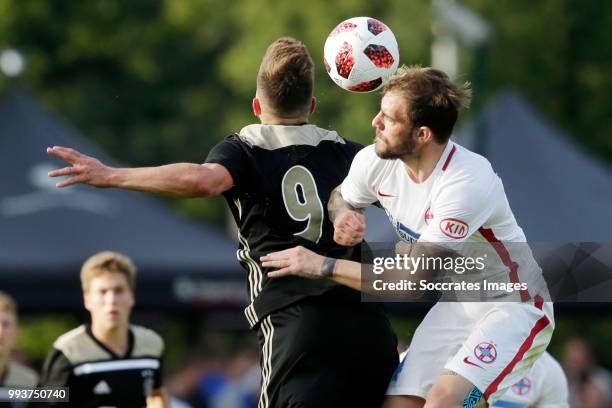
column 37, row 334
column 558, row 53
column 155, row 81
column 176, row 344
column 597, row 330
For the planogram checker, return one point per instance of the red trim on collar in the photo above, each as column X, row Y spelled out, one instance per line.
column 448, row 159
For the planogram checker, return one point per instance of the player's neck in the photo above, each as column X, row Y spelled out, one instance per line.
column 267, row 119
column 420, row 165
column 116, row 339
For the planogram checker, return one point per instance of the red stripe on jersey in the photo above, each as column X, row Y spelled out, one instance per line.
column 539, row 326
column 448, row 159
column 505, row 257
column 538, row 302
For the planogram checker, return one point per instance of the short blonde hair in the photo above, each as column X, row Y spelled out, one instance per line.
column 107, row 262
column 286, row 77
column 8, row 304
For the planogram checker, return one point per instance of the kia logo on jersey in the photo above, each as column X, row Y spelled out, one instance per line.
column 454, row 228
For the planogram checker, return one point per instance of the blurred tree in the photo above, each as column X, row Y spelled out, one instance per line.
column 37, row 334
column 559, row 54
column 155, row 81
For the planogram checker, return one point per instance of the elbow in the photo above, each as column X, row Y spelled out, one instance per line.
column 209, row 181
column 201, row 187
column 206, row 183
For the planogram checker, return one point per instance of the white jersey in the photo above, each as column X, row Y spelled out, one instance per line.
column 463, row 201
column 462, row 205
column 544, row 387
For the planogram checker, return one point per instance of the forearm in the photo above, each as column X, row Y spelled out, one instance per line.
column 347, row 273
column 176, row 180
column 369, row 279
column 407, row 273
column 337, row 205
column 360, row 277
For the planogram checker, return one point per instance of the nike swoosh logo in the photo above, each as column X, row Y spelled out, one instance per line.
column 384, row 195
column 466, row 361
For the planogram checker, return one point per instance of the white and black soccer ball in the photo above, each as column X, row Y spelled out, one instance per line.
column 361, row 54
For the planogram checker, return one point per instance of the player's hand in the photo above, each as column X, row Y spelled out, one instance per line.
column 84, row 169
column 349, row 228
column 297, row 261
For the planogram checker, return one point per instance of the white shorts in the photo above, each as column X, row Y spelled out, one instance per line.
column 490, row 344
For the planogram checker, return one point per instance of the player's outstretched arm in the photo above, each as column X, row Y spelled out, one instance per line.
column 177, row 180
column 299, row 261
column 349, row 222
column 303, row 262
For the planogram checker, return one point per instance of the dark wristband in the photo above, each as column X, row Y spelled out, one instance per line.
column 327, row 269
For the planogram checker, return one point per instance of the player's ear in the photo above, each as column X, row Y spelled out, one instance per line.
column 425, row 134
column 256, row 106
column 313, row 105
column 86, row 301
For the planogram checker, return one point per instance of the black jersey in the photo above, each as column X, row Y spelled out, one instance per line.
column 96, row 376
column 283, row 177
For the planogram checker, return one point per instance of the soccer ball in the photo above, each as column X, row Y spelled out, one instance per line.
column 360, row 54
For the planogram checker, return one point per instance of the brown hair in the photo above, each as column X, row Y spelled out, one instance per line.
column 433, row 99
column 286, row 77
column 8, row 304
column 105, row 262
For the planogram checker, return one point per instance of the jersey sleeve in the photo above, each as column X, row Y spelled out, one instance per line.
column 56, row 370
column 230, row 154
column 158, row 376
column 159, row 373
column 461, row 207
column 149, row 344
column 358, row 188
column 555, row 391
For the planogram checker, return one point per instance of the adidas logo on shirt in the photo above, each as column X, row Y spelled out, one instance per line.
column 102, row 388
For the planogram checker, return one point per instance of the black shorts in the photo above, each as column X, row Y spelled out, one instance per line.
column 320, row 352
